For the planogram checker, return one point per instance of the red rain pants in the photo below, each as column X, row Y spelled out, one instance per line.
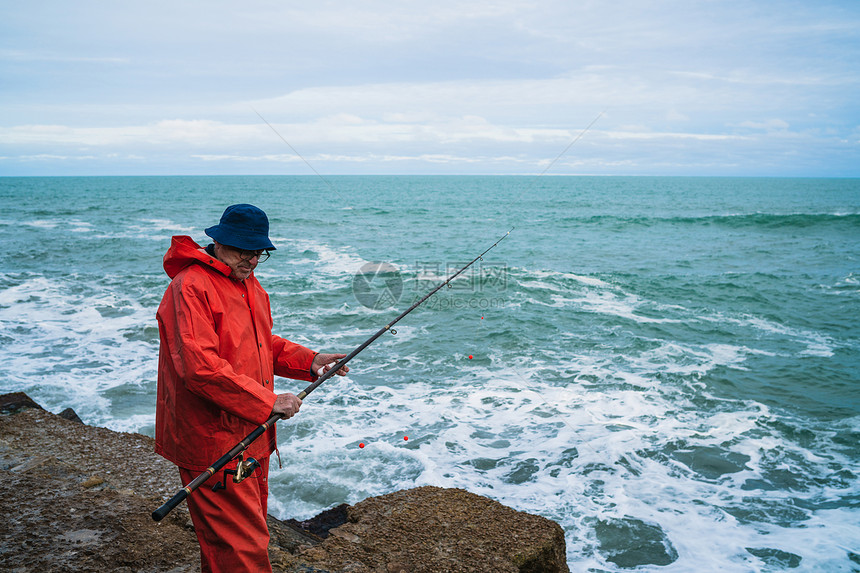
column 231, row 523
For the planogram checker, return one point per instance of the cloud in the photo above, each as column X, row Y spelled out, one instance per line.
column 326, row 130
column 359, row 158
column 769, row 125
column 641, row 135
column 482, row 85
column 166, row 132
column 57, row 57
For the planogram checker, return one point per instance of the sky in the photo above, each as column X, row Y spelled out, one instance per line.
column 568, row 87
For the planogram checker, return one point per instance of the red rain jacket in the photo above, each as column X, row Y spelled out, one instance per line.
column 217, row 360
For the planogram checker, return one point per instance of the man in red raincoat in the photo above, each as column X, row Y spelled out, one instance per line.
column 216, row 368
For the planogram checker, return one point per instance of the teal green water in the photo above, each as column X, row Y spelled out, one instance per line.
column 668, row 364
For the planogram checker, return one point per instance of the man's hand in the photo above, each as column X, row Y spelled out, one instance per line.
column 326, row 362
column 287, row 405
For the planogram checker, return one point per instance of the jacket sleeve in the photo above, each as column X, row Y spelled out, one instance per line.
column 292, row 360
column 193, row 341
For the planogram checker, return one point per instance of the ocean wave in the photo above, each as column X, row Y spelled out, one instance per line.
column 158, row 225
column 149, row 229
column 584, row 279
column 623, row 306
column 733, row 220
column 590, row 294
column 67, row 341
column 621, row 451
column 849, row 285
column 40, row 223
column 327, row 260
column 561, row 290
column 628, row 383
column 78, row 226
column 816, row 344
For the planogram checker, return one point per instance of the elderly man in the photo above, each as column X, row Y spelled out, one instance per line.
column 216, row 368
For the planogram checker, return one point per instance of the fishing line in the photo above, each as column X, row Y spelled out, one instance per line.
column 563, row 152
column 318, row 174
column 579, row 136
column 296, row 152
column 244, row 468
column 525, row 383
column 569, row 145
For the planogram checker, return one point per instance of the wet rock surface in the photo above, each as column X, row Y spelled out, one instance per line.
column 71, row 503
column 435, row 530
column 79, row 498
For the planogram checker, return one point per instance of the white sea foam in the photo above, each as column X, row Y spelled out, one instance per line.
column 571, row 454
column 150, row 230
column 328, row 260
column 78, row 226
column 69, row 342
column 160, row 225
column 626, row 449
column 586, row 280
column 587, row 400
column 816, row 343
column 624, row 306
column 600, row 298
column 41, row 223
column 132, row 423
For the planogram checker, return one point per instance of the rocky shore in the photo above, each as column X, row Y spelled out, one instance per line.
column 79, row 498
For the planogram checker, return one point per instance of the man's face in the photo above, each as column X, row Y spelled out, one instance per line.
column 240, row 262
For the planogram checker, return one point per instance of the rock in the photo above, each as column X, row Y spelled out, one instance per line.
column 92, row 481
column 32, row 464
column 71, row 415
column 124, row 461
column 52, row 524
column 325, row 521
column 288, row 536
column 79, row 498
column 16, row 401
column 435, row 530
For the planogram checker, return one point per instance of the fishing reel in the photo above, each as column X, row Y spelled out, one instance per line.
column 244, row 468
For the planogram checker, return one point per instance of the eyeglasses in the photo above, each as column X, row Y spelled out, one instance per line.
column 262, row 255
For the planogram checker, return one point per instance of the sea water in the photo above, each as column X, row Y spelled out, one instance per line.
column 667, row 367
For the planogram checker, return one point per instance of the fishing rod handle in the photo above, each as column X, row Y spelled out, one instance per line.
column 186, row 490
column 162, row 511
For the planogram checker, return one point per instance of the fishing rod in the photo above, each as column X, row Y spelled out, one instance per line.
column 246, row 467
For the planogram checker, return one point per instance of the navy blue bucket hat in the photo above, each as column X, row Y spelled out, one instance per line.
column 244, row 227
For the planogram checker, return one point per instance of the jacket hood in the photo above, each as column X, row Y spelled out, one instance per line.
column 184, row 251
